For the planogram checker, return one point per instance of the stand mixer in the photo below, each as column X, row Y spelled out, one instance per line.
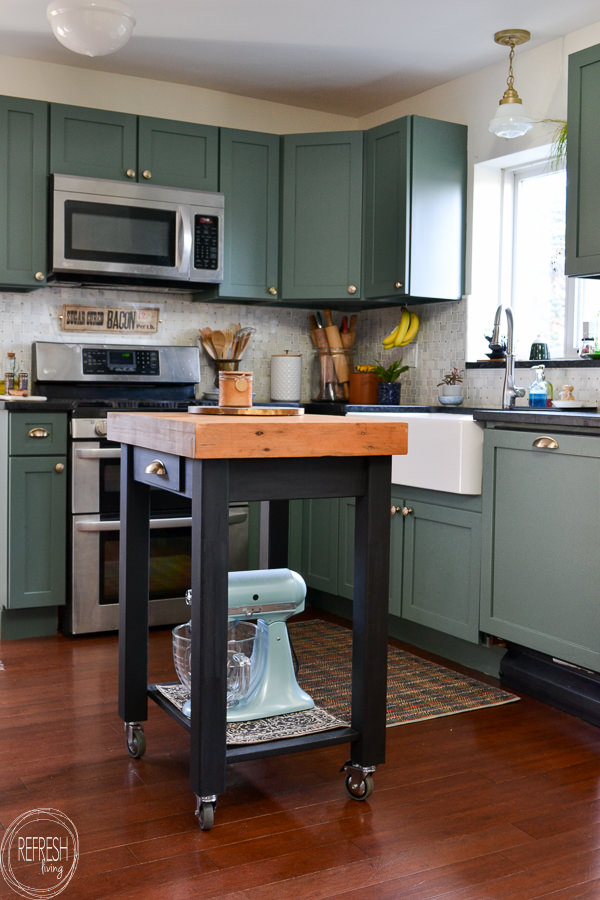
column 271, row 597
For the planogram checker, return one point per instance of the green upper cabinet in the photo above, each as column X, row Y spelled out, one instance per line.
column 102, row 144
column 92, row 142
column 321, row 216
column 415, row 209
column 583, row 164
column 178, row 154
column 249, row 180
column 23, row 192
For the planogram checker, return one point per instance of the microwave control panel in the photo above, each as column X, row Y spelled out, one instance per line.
column 206, row 242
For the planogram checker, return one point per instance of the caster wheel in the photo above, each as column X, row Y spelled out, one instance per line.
column 136, row 742
column 206, row 816
column 359, row 790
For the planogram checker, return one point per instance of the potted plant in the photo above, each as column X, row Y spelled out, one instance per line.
column 451, row 384
column 388, row 388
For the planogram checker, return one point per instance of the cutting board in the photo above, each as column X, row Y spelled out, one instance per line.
column 246, row 410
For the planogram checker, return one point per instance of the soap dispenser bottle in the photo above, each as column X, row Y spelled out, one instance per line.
column 538, row 389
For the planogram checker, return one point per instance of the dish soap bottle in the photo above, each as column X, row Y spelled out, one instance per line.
column 538, row 389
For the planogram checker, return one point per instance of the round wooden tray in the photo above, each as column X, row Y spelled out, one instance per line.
column 246, row 410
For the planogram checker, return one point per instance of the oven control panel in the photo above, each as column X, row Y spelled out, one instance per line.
column 117, row 361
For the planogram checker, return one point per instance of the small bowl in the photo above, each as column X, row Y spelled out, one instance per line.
column 448, row 400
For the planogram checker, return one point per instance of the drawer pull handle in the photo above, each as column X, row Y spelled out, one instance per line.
column 156, row 467
column 545, row 443
column 38, row 433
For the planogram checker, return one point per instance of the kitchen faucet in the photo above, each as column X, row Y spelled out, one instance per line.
column 509, row 392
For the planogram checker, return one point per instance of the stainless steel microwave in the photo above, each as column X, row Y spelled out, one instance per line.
column 105, row 231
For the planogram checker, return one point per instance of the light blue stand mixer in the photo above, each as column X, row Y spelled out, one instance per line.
column 269, row 597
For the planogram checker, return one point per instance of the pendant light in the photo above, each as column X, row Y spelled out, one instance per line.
column 511, row 120
column 91, row 27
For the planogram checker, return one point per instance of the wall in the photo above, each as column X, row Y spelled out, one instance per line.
column 540, row 78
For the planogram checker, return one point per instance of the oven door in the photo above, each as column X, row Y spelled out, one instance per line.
column 94, row 602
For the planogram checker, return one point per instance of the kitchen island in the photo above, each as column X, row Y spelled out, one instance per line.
column 215, row 460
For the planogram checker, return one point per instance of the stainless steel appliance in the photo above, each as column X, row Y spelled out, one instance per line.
column 88, row 380
column 105, row 231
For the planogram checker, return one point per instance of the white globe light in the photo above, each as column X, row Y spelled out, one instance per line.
column 510, row 121
column 91, row 27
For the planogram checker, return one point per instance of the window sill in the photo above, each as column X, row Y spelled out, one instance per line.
column 528, row 363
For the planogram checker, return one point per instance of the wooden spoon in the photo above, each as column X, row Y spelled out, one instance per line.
column 218, row 339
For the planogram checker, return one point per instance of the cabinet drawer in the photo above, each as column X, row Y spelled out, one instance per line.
column 37, row 434
column 171, row 479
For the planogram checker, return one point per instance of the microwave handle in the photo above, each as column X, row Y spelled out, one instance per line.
column 183, row 249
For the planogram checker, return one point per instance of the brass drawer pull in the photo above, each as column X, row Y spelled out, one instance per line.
column 545, row 443
column 59, row 467
column 156, row 467
column 38, row 433
column 405, row 510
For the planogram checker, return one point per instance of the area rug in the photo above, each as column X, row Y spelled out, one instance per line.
column 417, row 688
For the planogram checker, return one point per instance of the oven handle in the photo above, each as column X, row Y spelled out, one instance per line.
column 115, row 524
column 98, row 453
column 236, row 517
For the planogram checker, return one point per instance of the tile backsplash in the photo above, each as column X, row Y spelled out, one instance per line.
column 440, row 343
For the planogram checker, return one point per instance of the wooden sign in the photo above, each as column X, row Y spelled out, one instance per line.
column 115, row 319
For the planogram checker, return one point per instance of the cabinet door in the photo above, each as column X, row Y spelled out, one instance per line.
column 93, row 142
column 249, row 179
column 37, row 531
column 320, row 526
column 178, row 154
column 541, row 567
column 441, row 568
column 387, row 205
column 321, row 216
column 583, row 164
column 23, row 192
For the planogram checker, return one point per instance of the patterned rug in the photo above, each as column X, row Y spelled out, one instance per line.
column 417, row 688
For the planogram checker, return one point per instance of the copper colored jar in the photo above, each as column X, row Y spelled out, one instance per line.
column 363, row 388
column 235, row 388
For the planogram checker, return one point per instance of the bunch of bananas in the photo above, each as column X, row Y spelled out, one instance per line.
column 404, row 332
column 365, row 369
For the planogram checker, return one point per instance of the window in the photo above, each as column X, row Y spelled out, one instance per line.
column 519, row 230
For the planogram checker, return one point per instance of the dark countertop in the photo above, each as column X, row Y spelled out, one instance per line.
column 540, row 418
column 42, row 406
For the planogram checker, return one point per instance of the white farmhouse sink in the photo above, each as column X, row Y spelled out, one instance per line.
column 445, row 451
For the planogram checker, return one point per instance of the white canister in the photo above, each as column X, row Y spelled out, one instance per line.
column 286, row 377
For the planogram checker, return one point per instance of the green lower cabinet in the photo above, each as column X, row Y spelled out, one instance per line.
column 441, row 552
column 435, row 553
column 37, row 509
column 540, row 560
column 23, row 193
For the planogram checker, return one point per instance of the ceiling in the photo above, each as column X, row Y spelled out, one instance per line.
column 342, row 56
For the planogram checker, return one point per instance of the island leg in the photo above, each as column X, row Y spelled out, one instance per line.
column 370, row 605
column 210, row 553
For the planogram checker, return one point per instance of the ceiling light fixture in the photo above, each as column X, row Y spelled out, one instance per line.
column 511, row 120
column 91, row 27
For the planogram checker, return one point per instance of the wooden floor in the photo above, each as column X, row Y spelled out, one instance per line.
column 500, row 803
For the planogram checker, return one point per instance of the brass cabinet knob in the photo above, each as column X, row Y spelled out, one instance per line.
column 394, row 510
column 38, row 433
column 39, row 276
column 272, row 290
column 398, row 285
column 147, row 174
column 156, row 467
column 59, row 467
column 130, row 173
column 545, row 443
column 406, row 511
column 351, row 288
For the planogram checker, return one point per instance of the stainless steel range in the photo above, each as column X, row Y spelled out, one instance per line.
column 88, row 380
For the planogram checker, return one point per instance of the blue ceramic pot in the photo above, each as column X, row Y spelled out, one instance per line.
column 388, row 393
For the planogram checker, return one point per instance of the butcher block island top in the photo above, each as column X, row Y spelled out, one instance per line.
column 235, row 437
